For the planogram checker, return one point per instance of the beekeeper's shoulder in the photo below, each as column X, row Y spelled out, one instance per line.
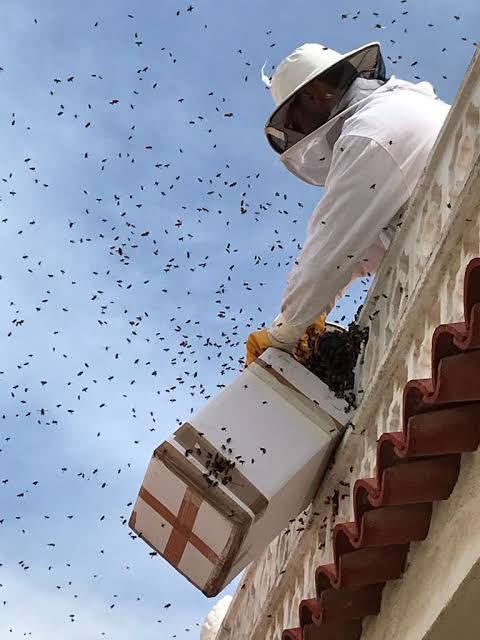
column 400, row 112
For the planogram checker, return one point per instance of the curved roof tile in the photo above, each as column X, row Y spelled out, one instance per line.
column 416, row 466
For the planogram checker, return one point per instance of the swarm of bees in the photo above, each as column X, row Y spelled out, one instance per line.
column 333, row 356
column 219, row 470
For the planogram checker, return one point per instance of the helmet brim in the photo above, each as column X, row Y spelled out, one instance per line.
column 365, row 62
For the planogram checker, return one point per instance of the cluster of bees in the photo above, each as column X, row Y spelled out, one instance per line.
column 333, row 356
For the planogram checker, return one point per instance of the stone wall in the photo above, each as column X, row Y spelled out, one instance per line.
column 418, row 287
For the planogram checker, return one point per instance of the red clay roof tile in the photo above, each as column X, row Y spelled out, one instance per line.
column 415, row 467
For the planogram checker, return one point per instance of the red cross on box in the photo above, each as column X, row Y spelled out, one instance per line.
column 182, row 526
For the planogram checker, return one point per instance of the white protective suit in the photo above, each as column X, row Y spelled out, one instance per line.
column 372, row 163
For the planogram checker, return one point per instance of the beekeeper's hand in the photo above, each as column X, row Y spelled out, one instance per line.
column 260, row 341
column 317, row 327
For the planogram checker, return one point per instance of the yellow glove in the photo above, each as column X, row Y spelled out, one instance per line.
column 260, row 341
column 318, row 327
column 257, row 343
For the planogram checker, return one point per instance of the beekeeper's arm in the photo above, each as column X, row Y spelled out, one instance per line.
column 364, row 190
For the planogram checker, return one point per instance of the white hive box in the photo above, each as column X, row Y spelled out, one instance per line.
column 271, row 432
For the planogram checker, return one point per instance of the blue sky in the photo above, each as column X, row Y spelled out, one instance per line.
column 103, row 352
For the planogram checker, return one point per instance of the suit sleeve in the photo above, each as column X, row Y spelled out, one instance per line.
column 364, row 190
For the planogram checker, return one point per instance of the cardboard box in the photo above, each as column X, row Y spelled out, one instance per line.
column 225, row 484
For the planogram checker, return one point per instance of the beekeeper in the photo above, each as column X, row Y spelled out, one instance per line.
column 342, row 124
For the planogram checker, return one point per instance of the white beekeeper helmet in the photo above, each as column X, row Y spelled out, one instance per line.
column 309, row 63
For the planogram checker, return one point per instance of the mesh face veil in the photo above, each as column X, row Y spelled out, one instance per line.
column 316, row 102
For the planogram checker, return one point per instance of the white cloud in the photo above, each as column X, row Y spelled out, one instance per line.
column 214, row 619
